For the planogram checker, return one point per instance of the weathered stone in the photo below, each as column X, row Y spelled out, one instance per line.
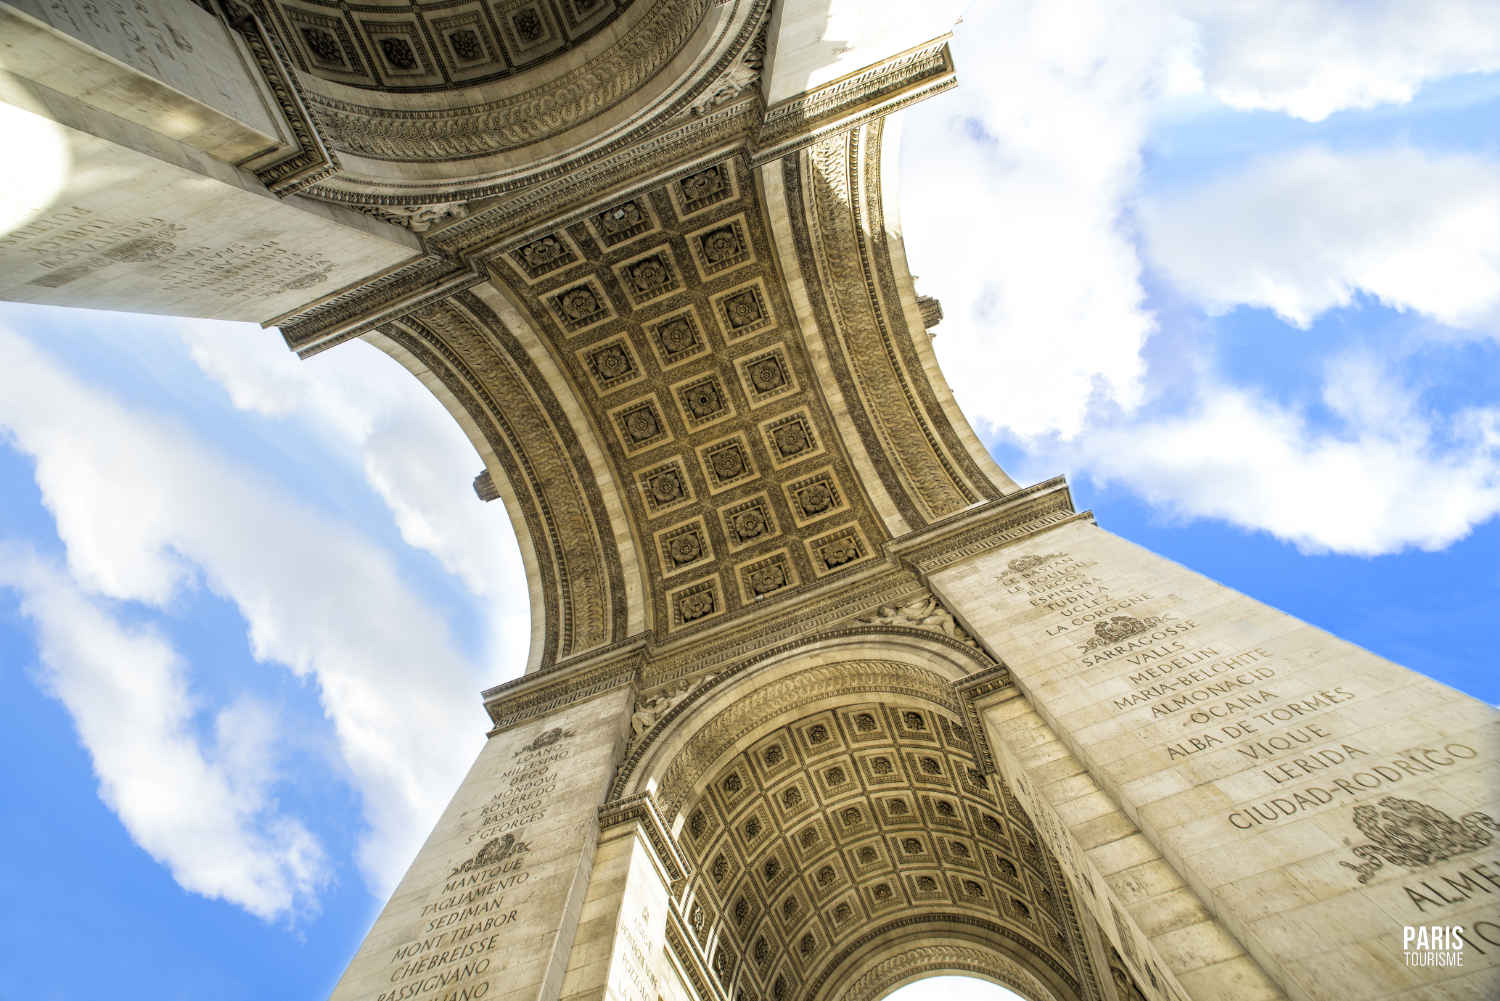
column 819, row 701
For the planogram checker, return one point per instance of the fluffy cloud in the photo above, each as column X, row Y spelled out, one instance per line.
column 1384, row 476
column 1313, row 59
column 1016, row 189
column 1301, row 233
column 414, row 455
column 1022, row 212
column 201, row 808
column 145, row 507
column 1011, row 202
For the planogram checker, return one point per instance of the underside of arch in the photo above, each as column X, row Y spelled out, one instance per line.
column 893, row 960
column 842, row 836
column 572, row 547
column 693, row 417
column 439, row 107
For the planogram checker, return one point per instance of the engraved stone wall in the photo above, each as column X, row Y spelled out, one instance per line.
column 1317, row 798
column 164, row 238
column 176, row 44
column 491, row 904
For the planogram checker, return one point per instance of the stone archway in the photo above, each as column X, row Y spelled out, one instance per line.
column 921, row 962
column 841, row 836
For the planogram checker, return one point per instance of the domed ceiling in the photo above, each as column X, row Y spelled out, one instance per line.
column 403, row 47
column 453, row 100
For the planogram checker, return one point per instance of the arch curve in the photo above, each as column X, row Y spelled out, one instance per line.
column 840, row 836
column 468, row 101
column 901, row 662
column 895, row 964
column 575, row 547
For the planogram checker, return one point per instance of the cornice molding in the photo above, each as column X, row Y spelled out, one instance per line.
column 313, row 161
column 535, row 695
column 968, row 692
column 690, row 958
column 358, row 309
column 853, row 100
column 752, row 638
column 641, row 809
column 989, row 526
column 548, row 198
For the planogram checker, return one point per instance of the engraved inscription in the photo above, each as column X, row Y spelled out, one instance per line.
column 75, row 242
column 467, row 917
column 1214, row 701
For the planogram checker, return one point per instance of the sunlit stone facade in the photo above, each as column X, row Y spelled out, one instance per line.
column 819, row 700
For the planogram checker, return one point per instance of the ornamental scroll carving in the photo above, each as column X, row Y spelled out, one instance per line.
column 863, row 332
column 417, row 218
column 1412, row 834
column 924, row 613
column 740, row 78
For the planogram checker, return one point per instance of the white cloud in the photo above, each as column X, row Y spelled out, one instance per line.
column 1312, row 59
column 203, row 809
column 1301, row 233
column 1019, row 197
column 1015, row 188
column 1387, row 477
column 146, row 507
column 414, row 455
column 1011, row 202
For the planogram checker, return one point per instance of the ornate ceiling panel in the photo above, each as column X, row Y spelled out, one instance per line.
column 398, row 46
column 668, row 312
column 753, row 439
column 456, row 100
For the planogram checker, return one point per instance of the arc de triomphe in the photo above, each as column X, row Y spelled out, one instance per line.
column 819, row 700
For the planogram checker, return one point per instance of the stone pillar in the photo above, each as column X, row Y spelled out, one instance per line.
column 168, row 65
column 619, row 950
column 152, row 140
column 493, row 904
column 1323, row 803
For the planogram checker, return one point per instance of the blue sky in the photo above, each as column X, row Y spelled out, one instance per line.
column 1250, row 305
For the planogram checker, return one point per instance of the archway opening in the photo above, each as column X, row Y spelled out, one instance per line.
column 953, row 988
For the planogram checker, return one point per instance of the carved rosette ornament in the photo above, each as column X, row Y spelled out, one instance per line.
column 1412, row 834
column 924, row 613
